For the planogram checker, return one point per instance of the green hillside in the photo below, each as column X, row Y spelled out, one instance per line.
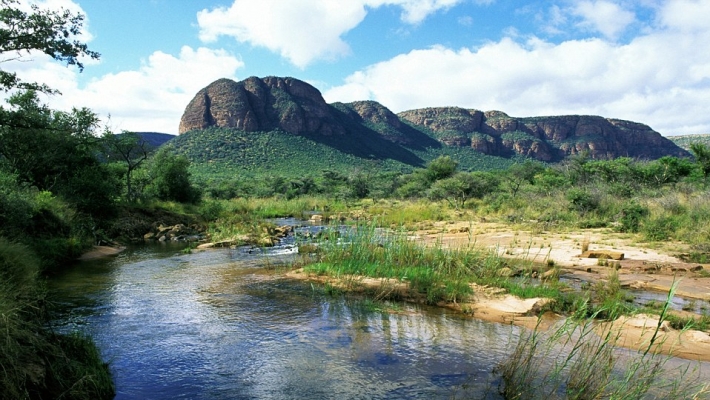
column 226, row 152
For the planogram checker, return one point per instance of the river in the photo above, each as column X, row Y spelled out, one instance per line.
column 225, row 324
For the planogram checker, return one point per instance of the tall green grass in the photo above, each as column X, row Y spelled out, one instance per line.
column 579, row 360
column 34, row 362
column 433, row 272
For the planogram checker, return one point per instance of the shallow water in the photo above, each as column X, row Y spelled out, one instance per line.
column 224, row 324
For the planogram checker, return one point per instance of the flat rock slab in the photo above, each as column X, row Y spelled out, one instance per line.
column 100, row 252
column 604, row 254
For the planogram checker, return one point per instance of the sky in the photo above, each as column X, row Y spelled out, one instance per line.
column 641, row 60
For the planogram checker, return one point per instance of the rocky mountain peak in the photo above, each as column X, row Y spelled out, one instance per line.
column 292, row 106
column 260, row 104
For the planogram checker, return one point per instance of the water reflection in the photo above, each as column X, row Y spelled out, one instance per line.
column 218, row 325
column 224, row 324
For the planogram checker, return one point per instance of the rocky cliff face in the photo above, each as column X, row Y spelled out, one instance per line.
column 295, row 107
column 543, row 138
column 256, row 104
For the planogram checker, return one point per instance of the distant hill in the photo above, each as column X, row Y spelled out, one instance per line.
column 260, row 124
column 684, row 141
column 155, row 139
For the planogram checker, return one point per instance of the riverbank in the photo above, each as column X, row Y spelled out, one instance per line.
column 554, row 255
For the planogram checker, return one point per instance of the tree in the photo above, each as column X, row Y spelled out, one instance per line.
column 171, row 177
column 517, row 174
column 463, row 186
column 50, row 32
column 440, row 168
column 128, row 148
column 702, row 158
column 54, row 151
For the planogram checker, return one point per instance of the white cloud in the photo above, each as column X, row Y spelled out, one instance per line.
column 685, row 15
column 415, row 11
column 660, row 79
column 603, row 16
column 303, row 31
column 151, row 98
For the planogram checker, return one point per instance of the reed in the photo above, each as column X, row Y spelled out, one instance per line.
column 580, row 360
column 434, row 272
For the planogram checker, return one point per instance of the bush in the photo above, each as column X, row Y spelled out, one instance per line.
column 631, row 216
column 171, row 178
column 660, row 228
column 581, row 200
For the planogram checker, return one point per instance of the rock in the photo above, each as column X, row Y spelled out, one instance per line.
column 256, row 104
column 296, row 107
column 603, row 254
column 544, row 138
column 550, row 274
column 101, row 252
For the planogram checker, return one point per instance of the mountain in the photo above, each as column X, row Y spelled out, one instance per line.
column 155, row 139
column 290, row 110
column 684, row 141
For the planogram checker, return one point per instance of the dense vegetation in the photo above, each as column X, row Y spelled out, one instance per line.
column 62, row 182
column 222, row 152
column 661, row 199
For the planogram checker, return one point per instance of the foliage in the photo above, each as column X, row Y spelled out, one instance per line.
column 464, row 186
column 52, row 186
column 171, row 178
column 582, row 200
column 631, row 216
column 440, row 168
column 520, row 173
column 54, row 150
column 37, row 363
column 702, row 157
column 51, row 32
column 130, row 149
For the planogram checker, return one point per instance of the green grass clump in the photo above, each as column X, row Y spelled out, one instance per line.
column 34, row 362
column 580, row 361
column 433, row 272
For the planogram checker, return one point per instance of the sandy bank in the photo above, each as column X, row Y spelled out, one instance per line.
column 100, row 252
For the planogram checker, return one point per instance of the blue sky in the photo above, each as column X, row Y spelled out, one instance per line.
column 641, row 60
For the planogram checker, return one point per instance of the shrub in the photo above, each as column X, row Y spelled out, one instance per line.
column 631, row 216
column 660, row 228
column 581, row 200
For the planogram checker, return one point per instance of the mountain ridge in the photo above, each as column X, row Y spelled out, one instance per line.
column 294, row 107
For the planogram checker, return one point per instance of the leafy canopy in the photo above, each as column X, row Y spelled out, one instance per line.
column 51, row 32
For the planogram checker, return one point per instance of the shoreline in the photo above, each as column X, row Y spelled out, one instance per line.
column 489, row 304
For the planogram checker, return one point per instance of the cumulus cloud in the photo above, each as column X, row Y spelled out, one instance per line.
column 685, row 15
column 154, row 96
column 150, row 98
column 303, row 31
column 659, row 78
column 603, row 16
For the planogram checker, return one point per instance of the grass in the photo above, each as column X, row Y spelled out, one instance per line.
column 433, row 273
column 579, row 360
column 35, row 362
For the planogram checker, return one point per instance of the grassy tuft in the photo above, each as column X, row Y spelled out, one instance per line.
column 35, row 362
column 581, row 361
